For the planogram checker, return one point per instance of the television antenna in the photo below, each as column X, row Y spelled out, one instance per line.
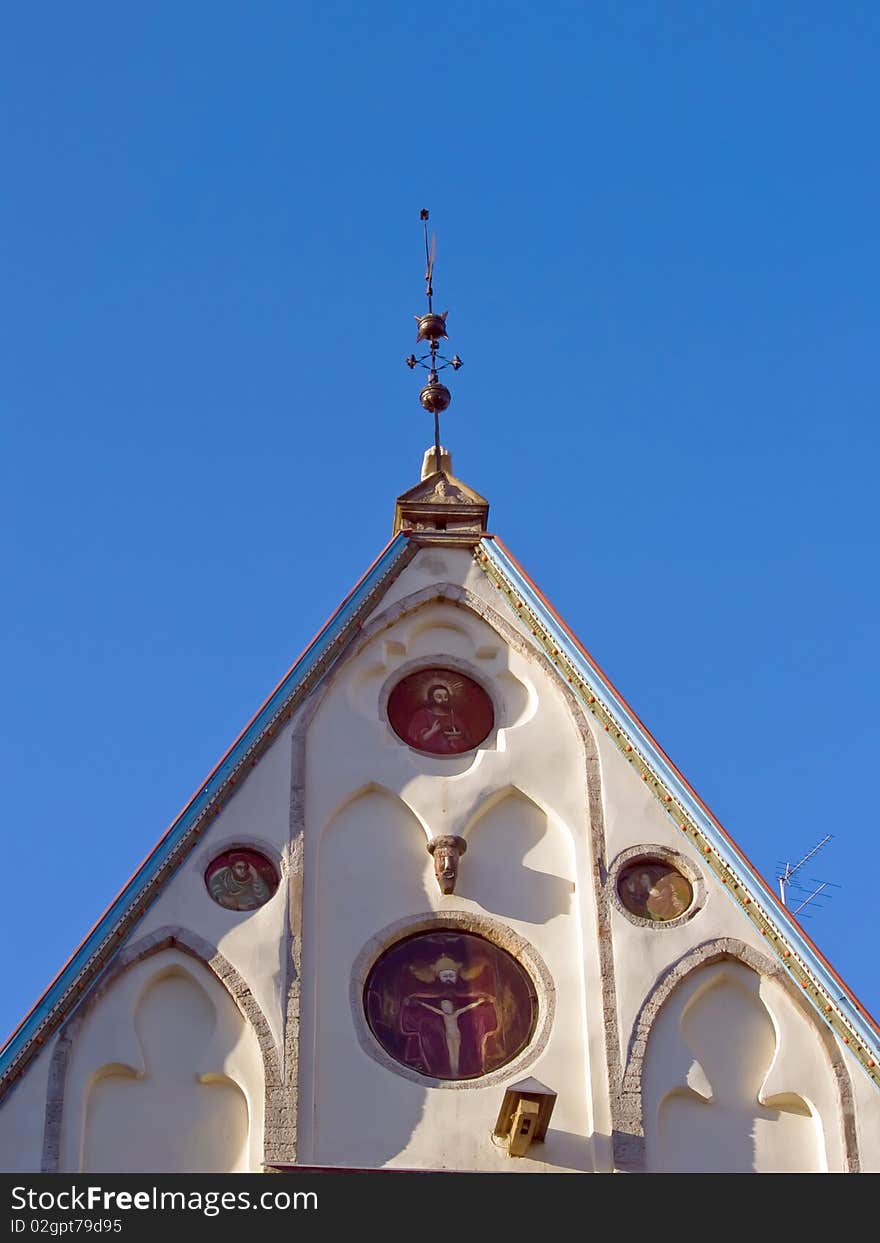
column 789, row 870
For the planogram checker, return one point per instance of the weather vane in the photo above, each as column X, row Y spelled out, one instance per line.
column 435, row 397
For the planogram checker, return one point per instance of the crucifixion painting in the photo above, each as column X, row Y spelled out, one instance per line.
column 450, row 1005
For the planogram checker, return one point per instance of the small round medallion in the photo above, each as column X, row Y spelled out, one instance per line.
column 241, row 880
column 654, row 890
column 440, row 711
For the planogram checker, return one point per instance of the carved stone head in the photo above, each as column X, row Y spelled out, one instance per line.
column 447, row 851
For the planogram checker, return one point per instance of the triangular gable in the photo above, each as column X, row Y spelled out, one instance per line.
column 441, row 503
column 821, row 985
column 73, row 981
column 835, row 1003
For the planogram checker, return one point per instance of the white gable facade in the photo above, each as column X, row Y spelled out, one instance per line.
column 711, row 1038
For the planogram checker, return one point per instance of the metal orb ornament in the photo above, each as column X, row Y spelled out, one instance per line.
column 432, row 326
column 435, row 397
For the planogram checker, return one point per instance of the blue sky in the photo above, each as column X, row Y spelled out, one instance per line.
column 657, row 240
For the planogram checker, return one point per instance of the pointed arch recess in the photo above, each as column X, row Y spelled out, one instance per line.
column 461, row 597
column 492, row 800
column 372, row 787
column 279, row 1122
column 629, row 1143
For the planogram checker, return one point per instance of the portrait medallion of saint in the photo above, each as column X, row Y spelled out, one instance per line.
column 450, row 1005
column 654, row 890
column 440, row 711
column 241, row 880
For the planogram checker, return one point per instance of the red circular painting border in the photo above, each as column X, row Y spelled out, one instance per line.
column 450, row 1004
column 245, row 892
column 440, row 711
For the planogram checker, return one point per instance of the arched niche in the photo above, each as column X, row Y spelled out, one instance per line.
column 170, row 1020
column 371, row 859
column 729, row 1071
column 177, row 1109
column 520, row 862
column 446, row 625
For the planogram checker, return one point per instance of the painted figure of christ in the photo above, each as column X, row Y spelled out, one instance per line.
column 447, row 1027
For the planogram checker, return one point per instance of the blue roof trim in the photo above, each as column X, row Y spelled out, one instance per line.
column 745, row 875
column 190, row 814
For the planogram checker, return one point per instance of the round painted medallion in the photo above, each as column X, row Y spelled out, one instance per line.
column 241, row 880
column 450, row 1005
column 440, row 711
column 654, row 890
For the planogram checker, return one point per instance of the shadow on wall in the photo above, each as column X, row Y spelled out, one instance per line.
column 495, row 873
column 177, row 1112
column 707, row 1058
column 563, row 1151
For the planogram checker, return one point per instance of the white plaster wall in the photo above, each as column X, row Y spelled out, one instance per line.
column 867, row 1106
column 430, row 566
column 371, row 805
column 22, row 1118
column 802, row 1065
column 132, row 1078
column 633, row 817
column 257, row 815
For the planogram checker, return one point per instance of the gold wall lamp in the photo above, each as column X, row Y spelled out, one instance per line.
column 524, row 1115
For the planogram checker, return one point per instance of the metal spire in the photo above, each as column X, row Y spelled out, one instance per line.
column 435, row 397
